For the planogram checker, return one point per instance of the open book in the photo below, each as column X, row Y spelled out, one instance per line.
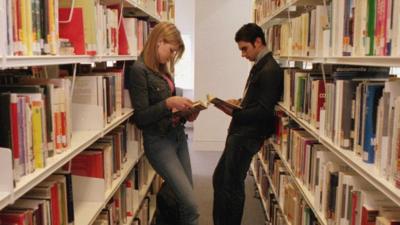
column 200, row 105
column 219, row 102
column 197, row 106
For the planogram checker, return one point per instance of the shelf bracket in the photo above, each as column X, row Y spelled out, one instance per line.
column 71, row 13
column 73, row 80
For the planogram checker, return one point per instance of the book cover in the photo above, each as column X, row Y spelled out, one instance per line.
column 219, row 102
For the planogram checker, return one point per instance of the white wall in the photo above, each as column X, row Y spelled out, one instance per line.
column 219, row 68
column 184, row 20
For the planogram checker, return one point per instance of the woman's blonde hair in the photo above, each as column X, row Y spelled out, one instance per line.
column 168, row 33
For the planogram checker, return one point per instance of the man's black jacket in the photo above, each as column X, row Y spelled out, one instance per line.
column 264, row 90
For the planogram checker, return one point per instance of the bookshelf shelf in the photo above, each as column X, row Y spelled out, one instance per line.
column 264, row 166
column 367, row 171
column 142, row 195
column 142, row 10
column 293, row 7
column 82, row 213
column 5, row 199
column 22, row 61
column 348, row 60
column 152, row 213
column 143, row 192
column 84, row 210
column 262, row 197
column 126, row 114
column 303, row 190
column 80, row 141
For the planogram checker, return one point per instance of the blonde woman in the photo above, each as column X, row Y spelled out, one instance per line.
column 152, row 91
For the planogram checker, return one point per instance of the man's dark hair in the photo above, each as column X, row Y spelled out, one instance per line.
column 249, row 33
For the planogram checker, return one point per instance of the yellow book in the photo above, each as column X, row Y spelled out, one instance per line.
column 29, row 31
column 52, row 35
column 37, row 134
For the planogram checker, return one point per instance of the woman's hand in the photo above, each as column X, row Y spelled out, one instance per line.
column 178, row 102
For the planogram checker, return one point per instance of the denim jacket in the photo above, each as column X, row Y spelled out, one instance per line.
column 148, row 91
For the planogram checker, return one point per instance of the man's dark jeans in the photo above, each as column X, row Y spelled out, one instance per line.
column 229, row 176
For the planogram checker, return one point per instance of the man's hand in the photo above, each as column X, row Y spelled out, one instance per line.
column 233, row 101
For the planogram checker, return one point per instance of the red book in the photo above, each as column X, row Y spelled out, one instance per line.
column 13, row 217
column 354, row 206
column 55, row 205
column 14, row 126
column 73, row 31
column 88, row 164
column 368, row 216
column 123, row 48
column 321, row 97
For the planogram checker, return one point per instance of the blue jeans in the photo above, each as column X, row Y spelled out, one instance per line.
column 169, row 156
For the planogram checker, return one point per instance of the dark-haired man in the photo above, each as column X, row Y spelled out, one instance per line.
column 249, row 126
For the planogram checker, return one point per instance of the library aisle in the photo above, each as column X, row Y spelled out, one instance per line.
column 203, row 165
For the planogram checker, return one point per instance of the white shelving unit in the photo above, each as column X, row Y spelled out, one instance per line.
column 140, row 9
column 142, row 196
column 367, row 171
column 87, row 212
column 80, row 141
column 6, row 173
column 45, row 60
column 262, row 197
column 295, row 8
column 265, row 168
column 292, row 7
column 307, row 195
column 387, row 61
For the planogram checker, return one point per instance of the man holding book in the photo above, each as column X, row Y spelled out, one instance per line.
column 251, row 124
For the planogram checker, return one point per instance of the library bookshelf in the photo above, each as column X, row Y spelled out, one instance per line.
column 86, row 211
column 271, row 16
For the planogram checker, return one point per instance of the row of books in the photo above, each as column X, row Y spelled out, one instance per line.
column 356, row 108
column 42, row 115
column 127, row 202
column 103, row 90
column 163, row 9
column 285, row 203
column 36, row 115
column 341, row 28
column 98, row 167
column 265, row 8
column 339, row 194
column 36, row 27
